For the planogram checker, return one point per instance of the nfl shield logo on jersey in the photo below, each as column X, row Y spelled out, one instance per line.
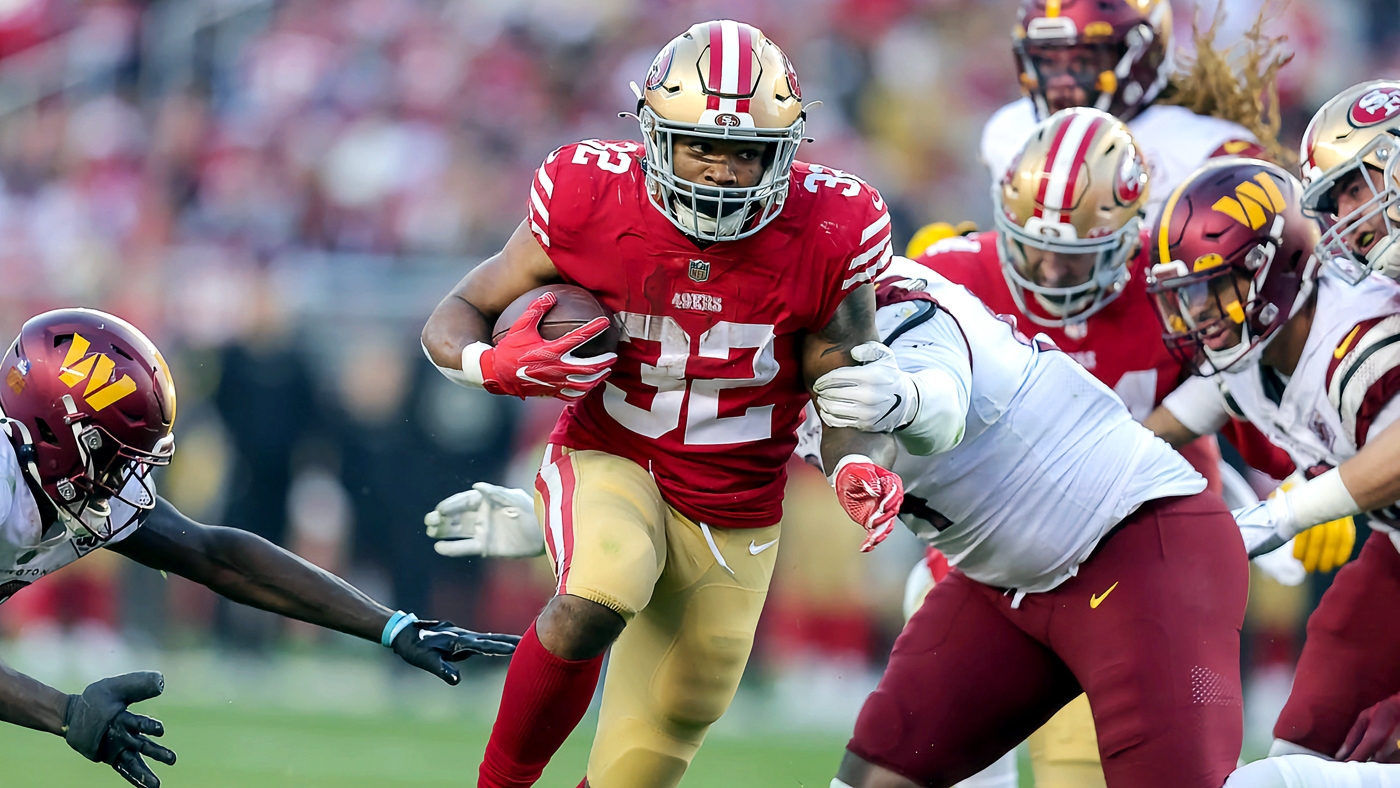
column 699, row 270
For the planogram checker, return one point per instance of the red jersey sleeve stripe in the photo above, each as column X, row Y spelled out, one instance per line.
column 1376, row 398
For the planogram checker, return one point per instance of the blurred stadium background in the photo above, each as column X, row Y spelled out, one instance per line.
column 278, row 193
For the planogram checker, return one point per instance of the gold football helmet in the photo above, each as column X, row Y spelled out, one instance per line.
column 723, row 80
column 1356, row 132
column 1078, row 186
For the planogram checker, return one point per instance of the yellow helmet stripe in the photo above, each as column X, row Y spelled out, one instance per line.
column 1164, row 227
column 1052, row 9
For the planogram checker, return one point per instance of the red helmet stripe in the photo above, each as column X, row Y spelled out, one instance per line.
column 1049, row 163
column 716, row 60
column 1077, row 164
column 747, row 42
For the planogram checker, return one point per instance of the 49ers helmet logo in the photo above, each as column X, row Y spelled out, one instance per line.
column 1377, row 106
column 660, row 67
column 96, row 369
column 1131, row 177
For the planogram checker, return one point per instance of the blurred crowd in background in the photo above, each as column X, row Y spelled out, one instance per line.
column 278, row 192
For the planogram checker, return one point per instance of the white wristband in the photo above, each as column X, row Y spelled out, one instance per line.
column 1320, row 500
column 847, row 460
column 470, row 374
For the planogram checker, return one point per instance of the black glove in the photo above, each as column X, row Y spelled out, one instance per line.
column 100, row 728
column 432, row 645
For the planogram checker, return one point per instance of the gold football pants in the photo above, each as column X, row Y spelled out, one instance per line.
column 691, row 596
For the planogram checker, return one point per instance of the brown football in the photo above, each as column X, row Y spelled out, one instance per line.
column 574, row 308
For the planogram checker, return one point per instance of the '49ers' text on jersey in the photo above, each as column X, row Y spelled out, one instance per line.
column 708, row 391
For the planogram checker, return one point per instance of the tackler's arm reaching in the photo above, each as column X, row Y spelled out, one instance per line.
column 248, row 569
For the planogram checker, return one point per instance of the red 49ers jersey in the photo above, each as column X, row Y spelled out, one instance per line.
column 707, row 391
column 1121, row 344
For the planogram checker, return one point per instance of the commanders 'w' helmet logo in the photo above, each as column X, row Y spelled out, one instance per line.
column 1254, row 203
column 96, row 369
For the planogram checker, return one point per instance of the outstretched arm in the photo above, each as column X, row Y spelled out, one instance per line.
column 250, row 570
column 96, row 724
column 30, row 703
column 246, row 568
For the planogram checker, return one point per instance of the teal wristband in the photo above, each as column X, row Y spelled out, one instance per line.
column 396, row 624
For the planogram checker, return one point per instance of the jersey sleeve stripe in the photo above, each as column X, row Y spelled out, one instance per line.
column 873, row 270
column 545, row 182
column 1358, row 384
column 866, row 256
column 875, row 227
column 1377, row 397
column 539, row 206
column 540, row 233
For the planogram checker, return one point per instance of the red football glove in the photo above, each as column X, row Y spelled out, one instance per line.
column 1376, row 734
column 870, row 495
column 525, row 364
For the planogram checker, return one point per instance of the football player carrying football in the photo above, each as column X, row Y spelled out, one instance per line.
column 739, row 276
column 88, row 408
column 1313, row 362
column 1116, row 56
column 1087, row 558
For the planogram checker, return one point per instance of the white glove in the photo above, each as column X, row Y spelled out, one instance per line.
column 1282, row 566
column 486, row 520
column 1266, row 526
column 876, row 396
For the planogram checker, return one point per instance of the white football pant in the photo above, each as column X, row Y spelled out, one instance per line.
column 1309, row 771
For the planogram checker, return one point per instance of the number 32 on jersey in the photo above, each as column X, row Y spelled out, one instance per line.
column 678, row 351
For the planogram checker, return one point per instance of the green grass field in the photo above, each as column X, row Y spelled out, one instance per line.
column 224, row 748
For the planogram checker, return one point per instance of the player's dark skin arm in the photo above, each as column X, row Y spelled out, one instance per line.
column 31, row 703
column 830, row 348
column 569, row 627
column 250, row 570
column 467, row 314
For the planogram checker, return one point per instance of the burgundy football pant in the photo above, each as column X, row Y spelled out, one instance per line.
column 1352, row 657
column 1149, row 629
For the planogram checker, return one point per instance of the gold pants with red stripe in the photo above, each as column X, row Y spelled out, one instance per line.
column 691, row 595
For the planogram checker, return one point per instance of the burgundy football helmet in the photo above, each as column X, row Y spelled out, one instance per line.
column 1118, row 52
column 89, row 404
column 1232, row 260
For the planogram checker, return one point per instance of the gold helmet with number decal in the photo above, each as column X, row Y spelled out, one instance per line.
column 723, row 80
column 1078, row 187
column 1358, row 131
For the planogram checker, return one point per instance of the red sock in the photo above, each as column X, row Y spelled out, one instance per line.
column 544, row 699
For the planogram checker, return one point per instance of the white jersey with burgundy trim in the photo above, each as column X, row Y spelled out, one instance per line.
column 25, row 554
column 1174, row 140
column 1050, row 459
column 1341, row 393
